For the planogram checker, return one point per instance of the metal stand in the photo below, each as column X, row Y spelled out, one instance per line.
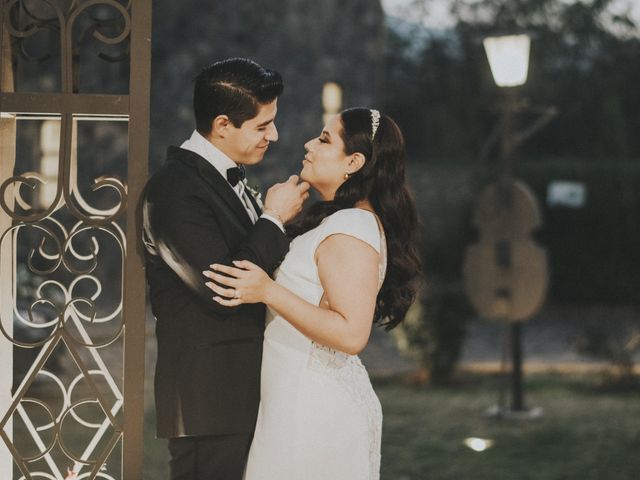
column 517, row 410
column 517, row 398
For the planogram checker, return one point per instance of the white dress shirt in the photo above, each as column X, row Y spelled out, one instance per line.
column 221, row 162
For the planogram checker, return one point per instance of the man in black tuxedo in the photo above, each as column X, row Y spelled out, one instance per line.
column 198, row 211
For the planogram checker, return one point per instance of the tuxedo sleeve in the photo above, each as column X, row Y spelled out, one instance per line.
column 184, row 230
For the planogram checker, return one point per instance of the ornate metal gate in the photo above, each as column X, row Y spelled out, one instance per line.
column 74, row 104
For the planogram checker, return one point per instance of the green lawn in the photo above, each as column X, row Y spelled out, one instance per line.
column 586, row 433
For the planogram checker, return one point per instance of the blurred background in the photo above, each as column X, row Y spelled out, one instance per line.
column 552, row 285
column 522, row 124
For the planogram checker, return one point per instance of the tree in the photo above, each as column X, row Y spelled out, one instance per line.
column 583, row 59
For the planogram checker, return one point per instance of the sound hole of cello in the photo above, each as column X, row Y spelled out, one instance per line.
column 503, row 293
column 503, row 253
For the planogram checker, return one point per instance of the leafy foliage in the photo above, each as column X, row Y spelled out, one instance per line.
column 435, row 329
column 584, row 59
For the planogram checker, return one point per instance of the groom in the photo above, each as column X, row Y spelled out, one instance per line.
column 198, row 211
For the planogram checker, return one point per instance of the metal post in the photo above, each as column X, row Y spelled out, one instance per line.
column 134, row 291
column 7, row 161
column 508, row 148
column 508, row 128
column 517, row 399
column 7, row 164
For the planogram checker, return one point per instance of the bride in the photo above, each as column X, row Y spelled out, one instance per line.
column 352, row 261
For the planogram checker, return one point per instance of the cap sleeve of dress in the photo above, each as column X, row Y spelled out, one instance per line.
column 354, row 222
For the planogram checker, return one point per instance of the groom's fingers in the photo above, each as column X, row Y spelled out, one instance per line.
column 302, row 186
column 293, row 179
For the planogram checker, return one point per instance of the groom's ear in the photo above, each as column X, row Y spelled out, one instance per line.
column 219, row 126
column 356, row 162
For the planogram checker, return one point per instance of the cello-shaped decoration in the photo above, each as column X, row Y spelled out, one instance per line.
column 506, row 272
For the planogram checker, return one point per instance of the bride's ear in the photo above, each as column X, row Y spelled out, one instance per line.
column 356, row 162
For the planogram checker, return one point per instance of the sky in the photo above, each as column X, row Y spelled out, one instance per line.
column 439, row 10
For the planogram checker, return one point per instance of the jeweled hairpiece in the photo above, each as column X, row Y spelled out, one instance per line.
column 375, row 122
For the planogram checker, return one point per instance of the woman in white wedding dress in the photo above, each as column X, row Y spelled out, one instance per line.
column 352, row 262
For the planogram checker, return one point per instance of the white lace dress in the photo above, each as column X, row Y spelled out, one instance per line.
column 319, row 417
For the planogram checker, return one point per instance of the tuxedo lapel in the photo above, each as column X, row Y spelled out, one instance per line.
column 219, row 185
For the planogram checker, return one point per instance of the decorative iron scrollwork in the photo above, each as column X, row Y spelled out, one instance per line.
column 25, row 19
column 72, row 250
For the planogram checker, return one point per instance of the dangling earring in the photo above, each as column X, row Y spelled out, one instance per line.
column 346, row 176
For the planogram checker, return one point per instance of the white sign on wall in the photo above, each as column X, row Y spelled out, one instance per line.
column 562, row 193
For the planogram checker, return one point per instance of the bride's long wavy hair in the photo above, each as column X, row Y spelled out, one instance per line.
column 381, row 180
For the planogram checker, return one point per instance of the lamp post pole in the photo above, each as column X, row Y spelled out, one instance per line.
column 505, row 272
column 505, row 260
column 510, row 71
column 509, row 107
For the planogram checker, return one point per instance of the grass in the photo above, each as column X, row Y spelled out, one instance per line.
column 586, row 432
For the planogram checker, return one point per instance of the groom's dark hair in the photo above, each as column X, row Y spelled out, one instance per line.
column 234, row 87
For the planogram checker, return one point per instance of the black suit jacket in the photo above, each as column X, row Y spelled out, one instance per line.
column 207, row 377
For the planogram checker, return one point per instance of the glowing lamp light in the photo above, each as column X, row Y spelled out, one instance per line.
column 331, row 99
column 50, row 147
column 478, row 444
column 508, row 58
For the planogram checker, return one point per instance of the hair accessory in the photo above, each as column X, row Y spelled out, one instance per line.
column 375, row 122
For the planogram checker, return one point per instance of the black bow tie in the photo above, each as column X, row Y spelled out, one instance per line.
column 235, row 175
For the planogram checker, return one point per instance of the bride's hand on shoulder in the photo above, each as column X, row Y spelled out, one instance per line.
column 244, row 283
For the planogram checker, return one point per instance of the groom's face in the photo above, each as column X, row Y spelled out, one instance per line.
column 248, row 143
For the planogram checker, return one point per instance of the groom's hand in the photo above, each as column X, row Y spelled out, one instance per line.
column 286, row 199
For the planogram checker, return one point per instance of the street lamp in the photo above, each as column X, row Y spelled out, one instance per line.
column 508, row 58
column 505, row 272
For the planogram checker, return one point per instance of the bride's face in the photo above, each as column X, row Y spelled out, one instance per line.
column 325, row 162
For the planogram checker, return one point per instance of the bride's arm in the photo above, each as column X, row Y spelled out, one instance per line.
column 348, row 271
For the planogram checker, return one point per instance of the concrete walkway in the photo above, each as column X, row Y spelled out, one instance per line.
column 548, row 341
